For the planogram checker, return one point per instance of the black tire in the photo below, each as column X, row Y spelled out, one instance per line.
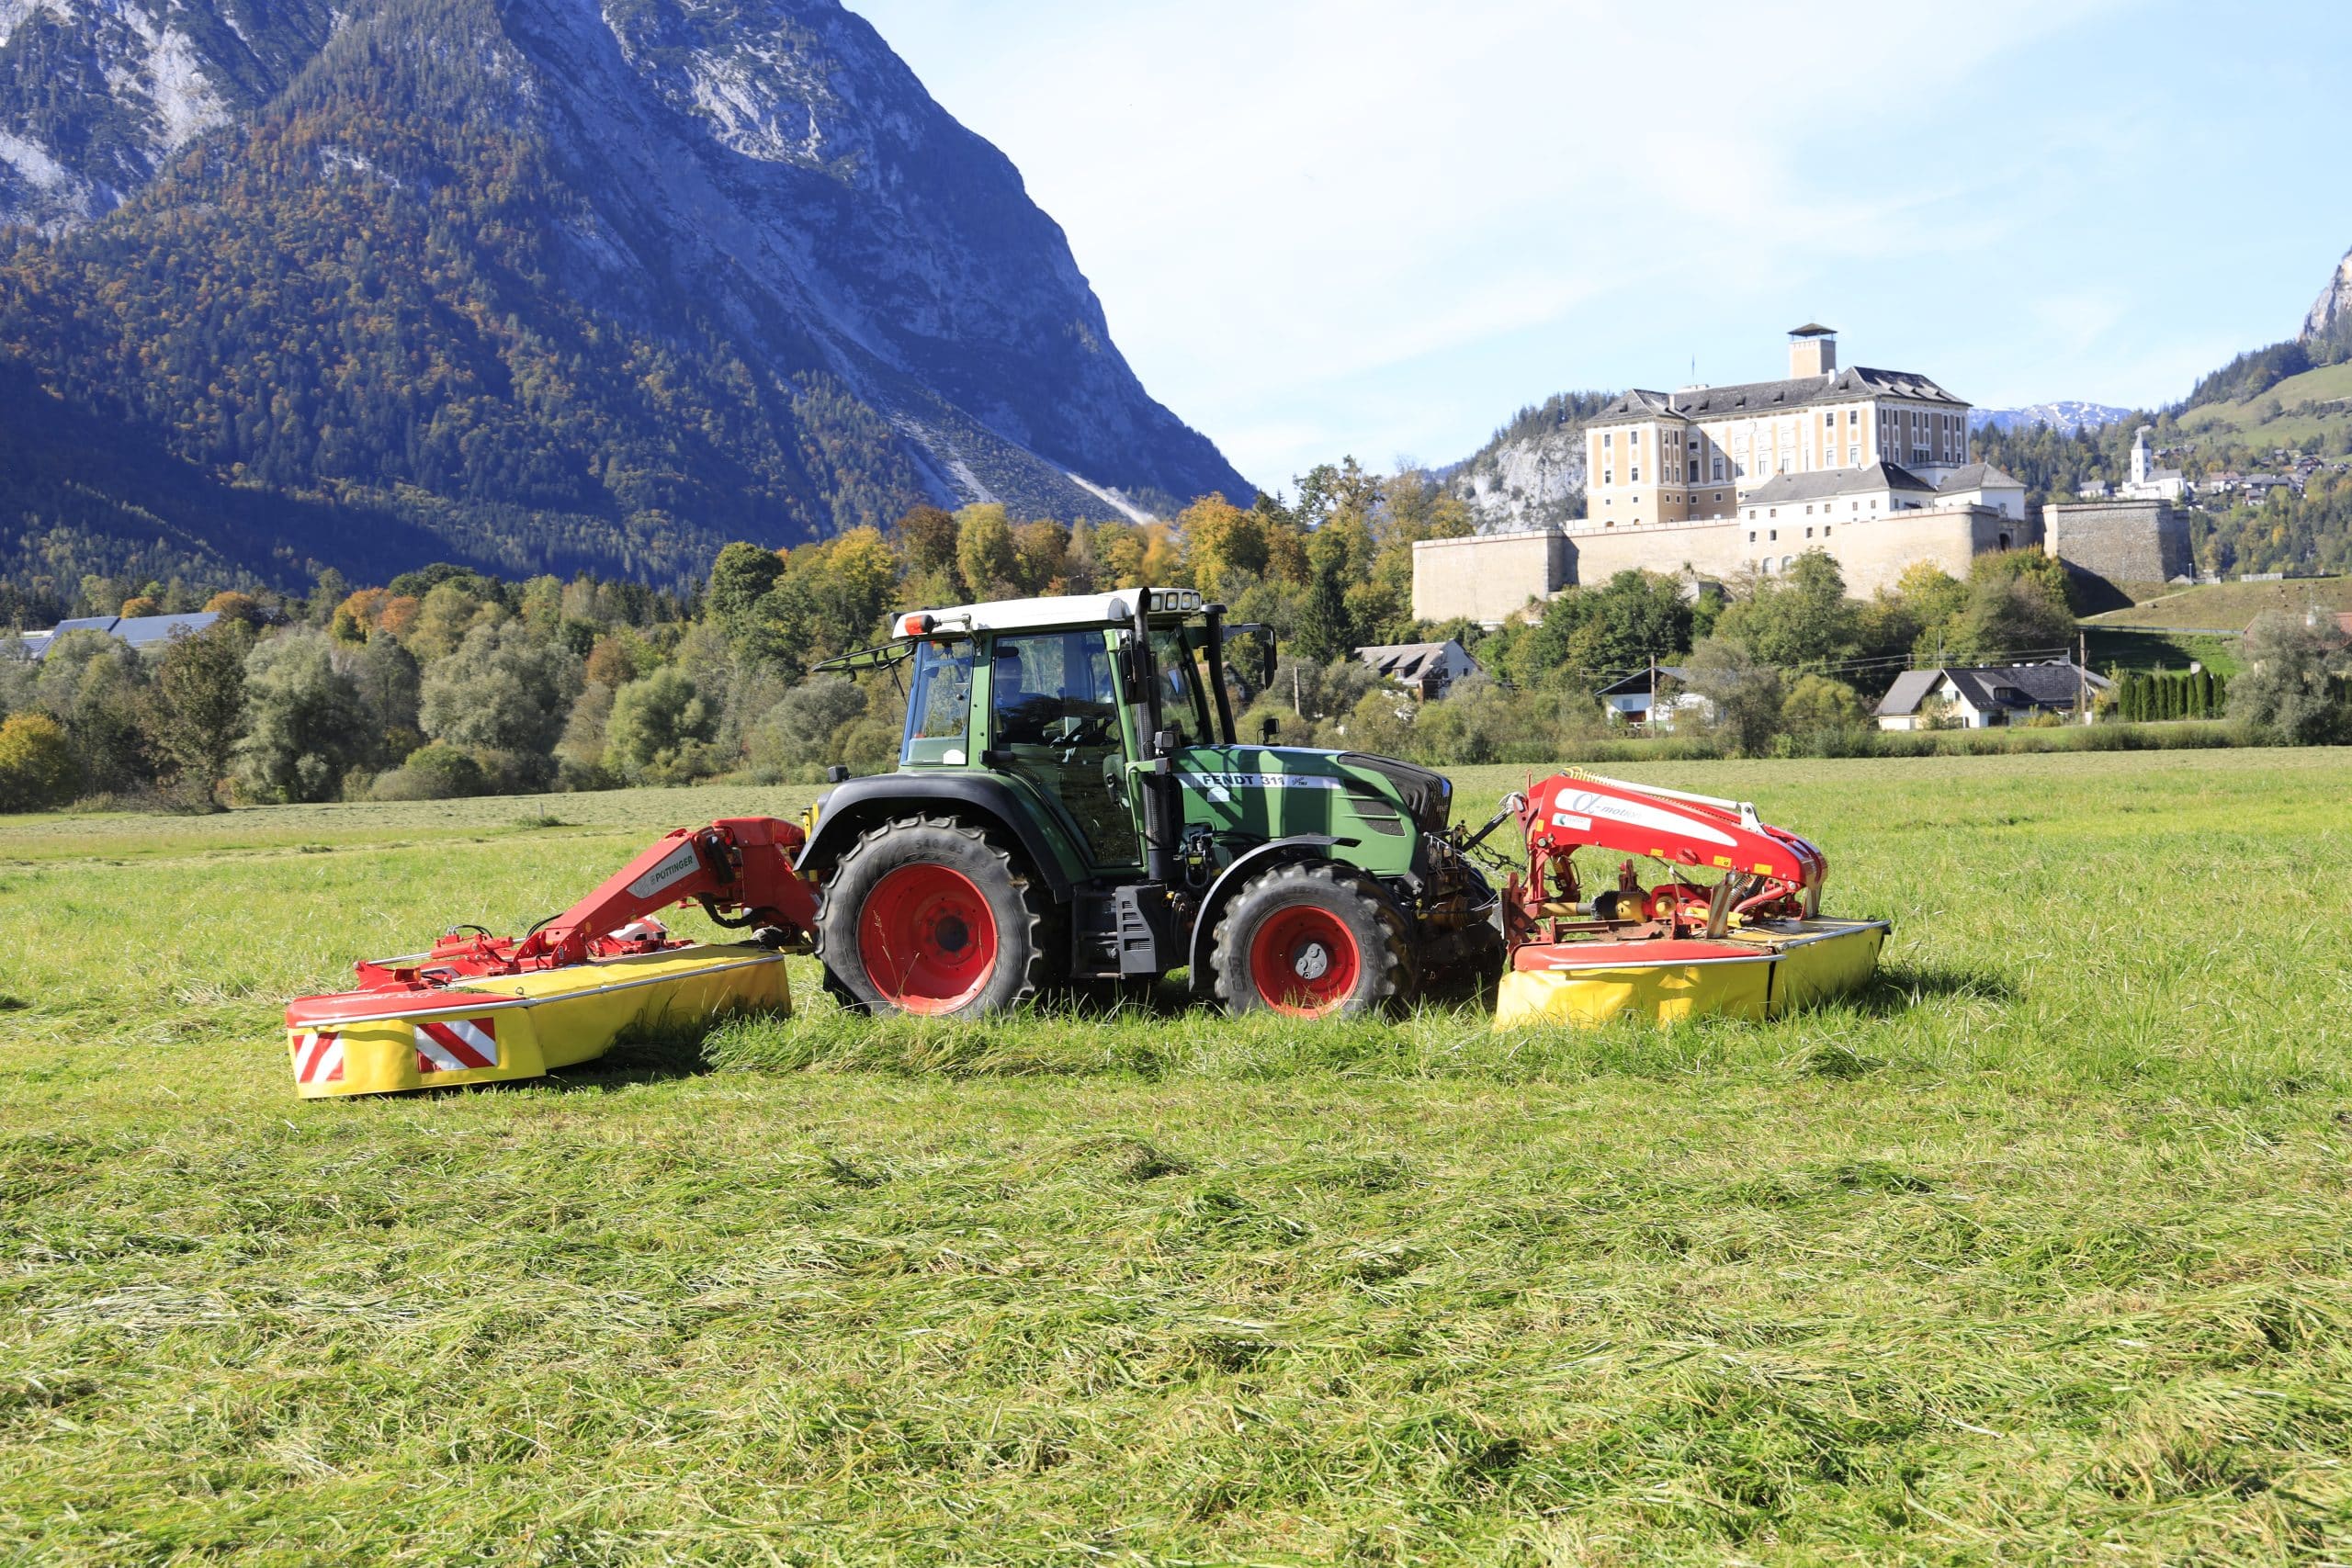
column 899, row 963
column 1291, row 921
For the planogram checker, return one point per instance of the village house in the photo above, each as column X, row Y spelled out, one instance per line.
column 1655, row 698
column 1986, row 698
column 1427, row 669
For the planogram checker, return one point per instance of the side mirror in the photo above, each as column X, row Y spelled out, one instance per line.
column 837, row 775
column 1266, row 645
column 1270, row 729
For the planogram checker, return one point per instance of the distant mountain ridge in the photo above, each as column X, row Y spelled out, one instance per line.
column 2066, row 415
column 533, row 284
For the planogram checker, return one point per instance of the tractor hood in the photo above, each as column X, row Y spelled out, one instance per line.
column 1278, row 791
column 1427, row 796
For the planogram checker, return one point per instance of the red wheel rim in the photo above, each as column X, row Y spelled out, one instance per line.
column 927, row 938
column 1303, row 961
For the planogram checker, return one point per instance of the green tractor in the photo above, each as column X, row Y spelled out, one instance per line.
column 1073, row 809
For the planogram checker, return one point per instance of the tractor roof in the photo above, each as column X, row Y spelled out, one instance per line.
column 1062, row 610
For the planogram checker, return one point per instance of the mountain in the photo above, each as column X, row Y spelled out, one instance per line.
column 2330, row 317
column 1532, row 471
column 2065, row 416
column 97, row 94
column 2325, row 340
column 532, row 285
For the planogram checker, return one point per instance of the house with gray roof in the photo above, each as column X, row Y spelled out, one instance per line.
column 1986, row 696
column 1428, row 669
column 146, row 633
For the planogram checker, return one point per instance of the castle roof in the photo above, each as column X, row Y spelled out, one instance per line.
column 1781, row 489
column 1774, row 397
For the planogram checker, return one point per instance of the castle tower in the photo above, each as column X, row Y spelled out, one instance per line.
column 1813, row 351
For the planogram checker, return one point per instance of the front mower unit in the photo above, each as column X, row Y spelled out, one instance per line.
column 1734, row 928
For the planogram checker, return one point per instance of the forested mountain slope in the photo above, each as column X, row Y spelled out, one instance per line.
column 539, row 286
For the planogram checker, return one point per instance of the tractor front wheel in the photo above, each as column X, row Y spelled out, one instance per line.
column 1312, row 940
column 926, row 916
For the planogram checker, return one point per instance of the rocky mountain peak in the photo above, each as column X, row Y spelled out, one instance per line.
column 2330, row 315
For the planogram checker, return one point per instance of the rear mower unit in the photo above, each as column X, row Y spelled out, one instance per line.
column 480, row 1008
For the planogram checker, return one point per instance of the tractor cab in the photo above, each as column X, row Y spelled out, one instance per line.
column 1073, row 698
column 1091, row 739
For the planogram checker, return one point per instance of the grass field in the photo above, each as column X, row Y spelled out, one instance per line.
column 2037, row 1253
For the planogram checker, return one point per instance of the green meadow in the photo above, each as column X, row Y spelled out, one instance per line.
column 2039, row 1251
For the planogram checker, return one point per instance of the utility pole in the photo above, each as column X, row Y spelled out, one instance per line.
column 1653, row 693
column 2083, row 681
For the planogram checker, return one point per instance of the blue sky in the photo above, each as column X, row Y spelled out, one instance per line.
column 1379, row 227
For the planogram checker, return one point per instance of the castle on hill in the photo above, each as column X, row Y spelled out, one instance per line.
column 1872, row 467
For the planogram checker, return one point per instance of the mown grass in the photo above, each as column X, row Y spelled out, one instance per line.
column 2037, row 1252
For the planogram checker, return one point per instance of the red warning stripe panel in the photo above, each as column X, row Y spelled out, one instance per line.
column 318, row 1058
column 456, row 1044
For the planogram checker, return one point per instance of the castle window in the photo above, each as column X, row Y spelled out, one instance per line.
column 1808, row 533
column 1636, row 479
column 1824, row 530
column 1606, row 437
column 1853, row 416
column 1751, row 533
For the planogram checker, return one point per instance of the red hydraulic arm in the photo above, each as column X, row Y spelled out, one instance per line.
column 738, row 869
column 1750, row 867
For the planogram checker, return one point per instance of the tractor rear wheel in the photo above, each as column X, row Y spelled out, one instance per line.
column 1312, row 940
column 926, row 916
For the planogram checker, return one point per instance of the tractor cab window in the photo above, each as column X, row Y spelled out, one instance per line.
column 1054, row 720
column 1053, row 689
column 939, row 707
column 1182, row 707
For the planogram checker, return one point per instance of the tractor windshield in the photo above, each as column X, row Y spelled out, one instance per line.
column 1182, row 707
column 939, row 707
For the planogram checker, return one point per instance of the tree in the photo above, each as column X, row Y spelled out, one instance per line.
column 36, row 763
column 657, row 728
column 1222, row 541
column 1324, row 634
column 502, row 690
column 796, row 736
column 231, row 605
column 305, row 725
column 984, row 553
column 95, row 686
column 2290, row 683
column 1745, row 694
column 927, row 537
column 389, row 684
column 1816, row 702
column 196, row 708
column 1803, row 617
column 740, row 578
column 450, row 612
column 2009, row 618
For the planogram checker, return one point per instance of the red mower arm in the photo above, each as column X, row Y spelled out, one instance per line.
column 1571, row 810
column 738, row 869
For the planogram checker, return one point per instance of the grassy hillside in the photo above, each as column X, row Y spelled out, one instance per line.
column 2224, row 606
column 2036, row 1252
column 2317, row 402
